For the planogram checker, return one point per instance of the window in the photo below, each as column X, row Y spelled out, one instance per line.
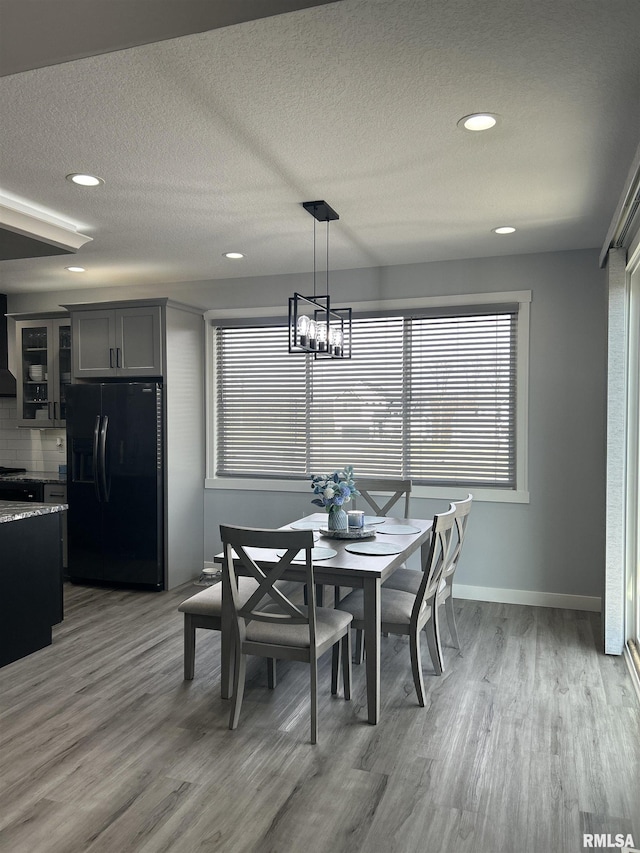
column 430, row 395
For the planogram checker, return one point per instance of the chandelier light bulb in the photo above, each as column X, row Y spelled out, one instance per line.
column 303, row 330
column 322, row 337
column 313, row 334
column 335, row 341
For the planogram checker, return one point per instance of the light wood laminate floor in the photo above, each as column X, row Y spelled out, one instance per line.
column 530, row 738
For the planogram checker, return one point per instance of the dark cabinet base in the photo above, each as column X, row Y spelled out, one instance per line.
column 30, row 584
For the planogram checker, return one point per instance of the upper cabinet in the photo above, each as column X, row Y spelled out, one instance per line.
column 44, row 370
column 122, row 342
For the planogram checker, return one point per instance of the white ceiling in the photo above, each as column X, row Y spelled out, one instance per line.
column 210, row 142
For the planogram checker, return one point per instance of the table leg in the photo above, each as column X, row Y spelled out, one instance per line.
column 226, row 641
column 372, row 646
column 424, row 553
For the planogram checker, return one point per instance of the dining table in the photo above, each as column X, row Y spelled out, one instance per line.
column 336, row 563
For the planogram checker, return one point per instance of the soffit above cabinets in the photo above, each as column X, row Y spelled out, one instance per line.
column 25, row 235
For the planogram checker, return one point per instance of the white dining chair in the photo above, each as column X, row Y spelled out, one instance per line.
column 269, row 624
column 408, row 580
column 388, row 492
column 204, row 610
column 406, row 613
column 391, row 490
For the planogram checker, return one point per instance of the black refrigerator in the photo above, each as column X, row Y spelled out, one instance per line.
column 115, row 484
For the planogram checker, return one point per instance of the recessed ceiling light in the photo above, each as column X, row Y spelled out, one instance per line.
column 234, row 256
column 478, row 121
column 504, row 229
column 85, row 180
column 76, row 269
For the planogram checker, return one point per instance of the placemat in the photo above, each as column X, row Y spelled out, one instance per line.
column 316, row 554
column 374, row 519
column 377, row 549
column 397, row 529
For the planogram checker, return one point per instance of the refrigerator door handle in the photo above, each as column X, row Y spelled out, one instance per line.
column 96, row 445
column 103, row 458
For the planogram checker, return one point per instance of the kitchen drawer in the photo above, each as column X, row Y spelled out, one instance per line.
column 55, row 493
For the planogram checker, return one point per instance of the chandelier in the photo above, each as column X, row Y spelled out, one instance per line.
column 314, row 326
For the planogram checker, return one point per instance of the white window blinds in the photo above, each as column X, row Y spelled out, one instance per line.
column 431, row 398
column 262, row 404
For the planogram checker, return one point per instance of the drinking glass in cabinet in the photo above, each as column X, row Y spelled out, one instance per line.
column 34, row 339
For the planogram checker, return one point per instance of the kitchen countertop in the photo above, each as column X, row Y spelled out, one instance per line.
column 34, row 477
column 15, row 510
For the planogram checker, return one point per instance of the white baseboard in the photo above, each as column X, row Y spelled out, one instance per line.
column 523, row 596
column 632, row 670
column 515, row 596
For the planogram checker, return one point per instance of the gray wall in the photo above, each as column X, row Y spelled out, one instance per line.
column 556, row 542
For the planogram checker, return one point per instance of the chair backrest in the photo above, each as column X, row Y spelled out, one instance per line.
column 399, row 488
column 462, row 510
column 438, row 559
column 268, row 603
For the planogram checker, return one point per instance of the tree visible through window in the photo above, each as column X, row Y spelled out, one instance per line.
column 431, row 398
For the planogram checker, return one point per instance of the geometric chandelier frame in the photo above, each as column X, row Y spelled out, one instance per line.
column 314, row 325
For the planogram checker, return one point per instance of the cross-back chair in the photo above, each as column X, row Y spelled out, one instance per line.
column 268, row 623
column 408, row 613
column 408, row 580
column 204, row 610
column 383, row 485
column 381, row 507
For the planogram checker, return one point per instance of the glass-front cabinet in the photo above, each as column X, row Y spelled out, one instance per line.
column 44, row 371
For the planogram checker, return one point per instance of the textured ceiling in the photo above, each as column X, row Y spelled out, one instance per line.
column 210, row 142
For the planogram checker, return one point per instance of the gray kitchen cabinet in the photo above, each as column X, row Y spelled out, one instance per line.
column 117, row 342
column 43, row 368
column 162, row 339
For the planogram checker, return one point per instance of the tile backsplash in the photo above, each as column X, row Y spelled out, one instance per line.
column 33, row 449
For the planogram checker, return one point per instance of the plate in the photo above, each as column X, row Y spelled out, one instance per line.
column 360, row 533
column 374, row 519
column 398, row 529
column 375, row 549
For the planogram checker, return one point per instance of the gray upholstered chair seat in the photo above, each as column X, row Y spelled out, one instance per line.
column 395, row 606
column 204, row 610
column 328, row 621
column 408, row 580
column 208, row 602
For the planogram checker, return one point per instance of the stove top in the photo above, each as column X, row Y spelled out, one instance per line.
column 4, row 470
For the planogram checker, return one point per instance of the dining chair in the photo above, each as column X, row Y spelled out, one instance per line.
column 383, row 485
column 380, row 507
column 269, row 624
column 204, row 610
column 408, row 613
column 408, row 580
